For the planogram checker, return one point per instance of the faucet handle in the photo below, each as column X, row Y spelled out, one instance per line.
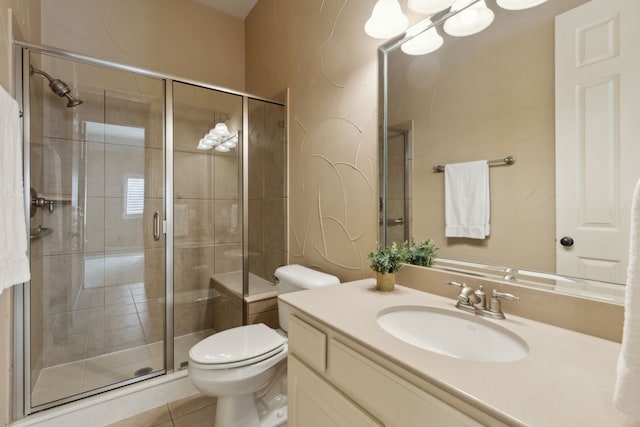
column 460, row 285
column 495, row 308
column 495, row 294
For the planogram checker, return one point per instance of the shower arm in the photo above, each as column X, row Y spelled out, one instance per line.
column 36, row 71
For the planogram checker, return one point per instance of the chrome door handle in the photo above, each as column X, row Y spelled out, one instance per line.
column 156, row 226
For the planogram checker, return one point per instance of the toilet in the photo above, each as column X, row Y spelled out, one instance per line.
column 237, row 365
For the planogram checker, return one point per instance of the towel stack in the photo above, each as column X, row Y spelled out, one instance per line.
column 466, row 193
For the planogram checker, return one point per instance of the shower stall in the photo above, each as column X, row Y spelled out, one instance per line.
column 156, row 212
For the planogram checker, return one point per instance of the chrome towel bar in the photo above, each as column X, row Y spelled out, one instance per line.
column 509, row 160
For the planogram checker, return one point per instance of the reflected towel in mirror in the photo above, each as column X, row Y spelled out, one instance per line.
column 466, row 199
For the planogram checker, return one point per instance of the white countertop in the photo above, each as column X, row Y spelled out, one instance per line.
column 566, row 380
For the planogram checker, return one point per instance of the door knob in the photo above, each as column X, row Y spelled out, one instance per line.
column 566, row 241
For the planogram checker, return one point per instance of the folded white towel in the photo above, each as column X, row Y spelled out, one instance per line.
column 466, row 198
column 627, row 390
column 14, row 264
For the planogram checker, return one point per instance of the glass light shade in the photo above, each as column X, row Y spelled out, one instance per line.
column 202, row 145
column 221, row 129
column 429, row 7
column 518, row 4
column 222, row 148
column 471, row 20
column 426, row 42
column 230, row 143
column 211, row 139
column 387, row 20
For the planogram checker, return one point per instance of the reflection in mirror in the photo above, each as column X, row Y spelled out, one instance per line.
column 555, row 87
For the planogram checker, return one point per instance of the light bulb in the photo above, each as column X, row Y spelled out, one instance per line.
column 425, row 42
column 471, row 20
column 222, row 148
column 518, row 4
column 429, row 7
column 386, row 21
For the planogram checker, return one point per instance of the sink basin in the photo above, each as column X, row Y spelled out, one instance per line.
column 458, row 335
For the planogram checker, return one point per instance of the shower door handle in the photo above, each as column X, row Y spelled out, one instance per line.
column 156, row 226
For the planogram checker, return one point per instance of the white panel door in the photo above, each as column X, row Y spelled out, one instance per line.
column 597, row 136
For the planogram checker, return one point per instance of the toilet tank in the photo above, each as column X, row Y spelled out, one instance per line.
column 295, row 277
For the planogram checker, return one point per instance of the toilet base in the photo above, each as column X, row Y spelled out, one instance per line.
column 234, row 411
column 241, row 411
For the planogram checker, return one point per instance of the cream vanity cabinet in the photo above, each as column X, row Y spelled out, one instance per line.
column 333, row 381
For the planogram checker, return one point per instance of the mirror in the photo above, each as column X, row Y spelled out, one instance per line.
column 519, row 89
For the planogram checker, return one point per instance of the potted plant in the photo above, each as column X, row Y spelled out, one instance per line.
column 421, row 254
column 386, row 261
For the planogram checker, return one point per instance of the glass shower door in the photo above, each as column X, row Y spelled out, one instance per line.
column 207, row 209
column 97, row 294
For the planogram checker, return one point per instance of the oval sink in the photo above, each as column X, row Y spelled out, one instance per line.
column 453, row 334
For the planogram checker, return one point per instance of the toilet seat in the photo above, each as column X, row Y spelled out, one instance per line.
column 237, row 347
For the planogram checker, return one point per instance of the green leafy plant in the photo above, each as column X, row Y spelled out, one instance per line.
column 421, row 254
column 387, row 259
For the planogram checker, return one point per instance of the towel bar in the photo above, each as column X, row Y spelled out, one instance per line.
column 509, row 160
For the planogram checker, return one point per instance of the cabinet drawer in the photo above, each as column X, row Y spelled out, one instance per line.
column 315, row 403
column 388, row 397
column 308, row 343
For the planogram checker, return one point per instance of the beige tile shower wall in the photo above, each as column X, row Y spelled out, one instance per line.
column 320, row 51
column 183, row 38
column 18, row 19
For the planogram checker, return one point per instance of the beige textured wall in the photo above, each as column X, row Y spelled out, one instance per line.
column 18, row 18
column 183, row 38
column 320, row 51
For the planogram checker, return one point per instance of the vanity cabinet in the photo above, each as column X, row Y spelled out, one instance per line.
column 333, row 381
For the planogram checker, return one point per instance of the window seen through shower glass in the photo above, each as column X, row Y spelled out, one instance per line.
column 97, row 298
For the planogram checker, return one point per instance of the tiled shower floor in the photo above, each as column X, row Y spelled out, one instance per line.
column 68, row 379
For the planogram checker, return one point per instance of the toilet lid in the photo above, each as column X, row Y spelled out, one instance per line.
column 236, row 344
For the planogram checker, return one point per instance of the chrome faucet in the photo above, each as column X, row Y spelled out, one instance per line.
column 476, row 301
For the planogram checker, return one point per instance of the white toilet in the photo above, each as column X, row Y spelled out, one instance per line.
column 237, row 363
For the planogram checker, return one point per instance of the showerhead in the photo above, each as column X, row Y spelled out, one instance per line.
column 58, row 87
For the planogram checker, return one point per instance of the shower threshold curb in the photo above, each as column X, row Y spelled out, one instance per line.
column 115, row 405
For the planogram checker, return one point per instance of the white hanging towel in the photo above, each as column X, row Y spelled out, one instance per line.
column 627, row 389
column 14, row 264
column 466, row 199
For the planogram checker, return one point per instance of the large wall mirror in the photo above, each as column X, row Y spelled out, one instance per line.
column 557, row 88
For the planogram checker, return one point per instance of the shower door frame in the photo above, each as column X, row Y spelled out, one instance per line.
column 21, row 346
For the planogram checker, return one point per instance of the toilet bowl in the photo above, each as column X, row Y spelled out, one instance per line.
column 237, row 365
